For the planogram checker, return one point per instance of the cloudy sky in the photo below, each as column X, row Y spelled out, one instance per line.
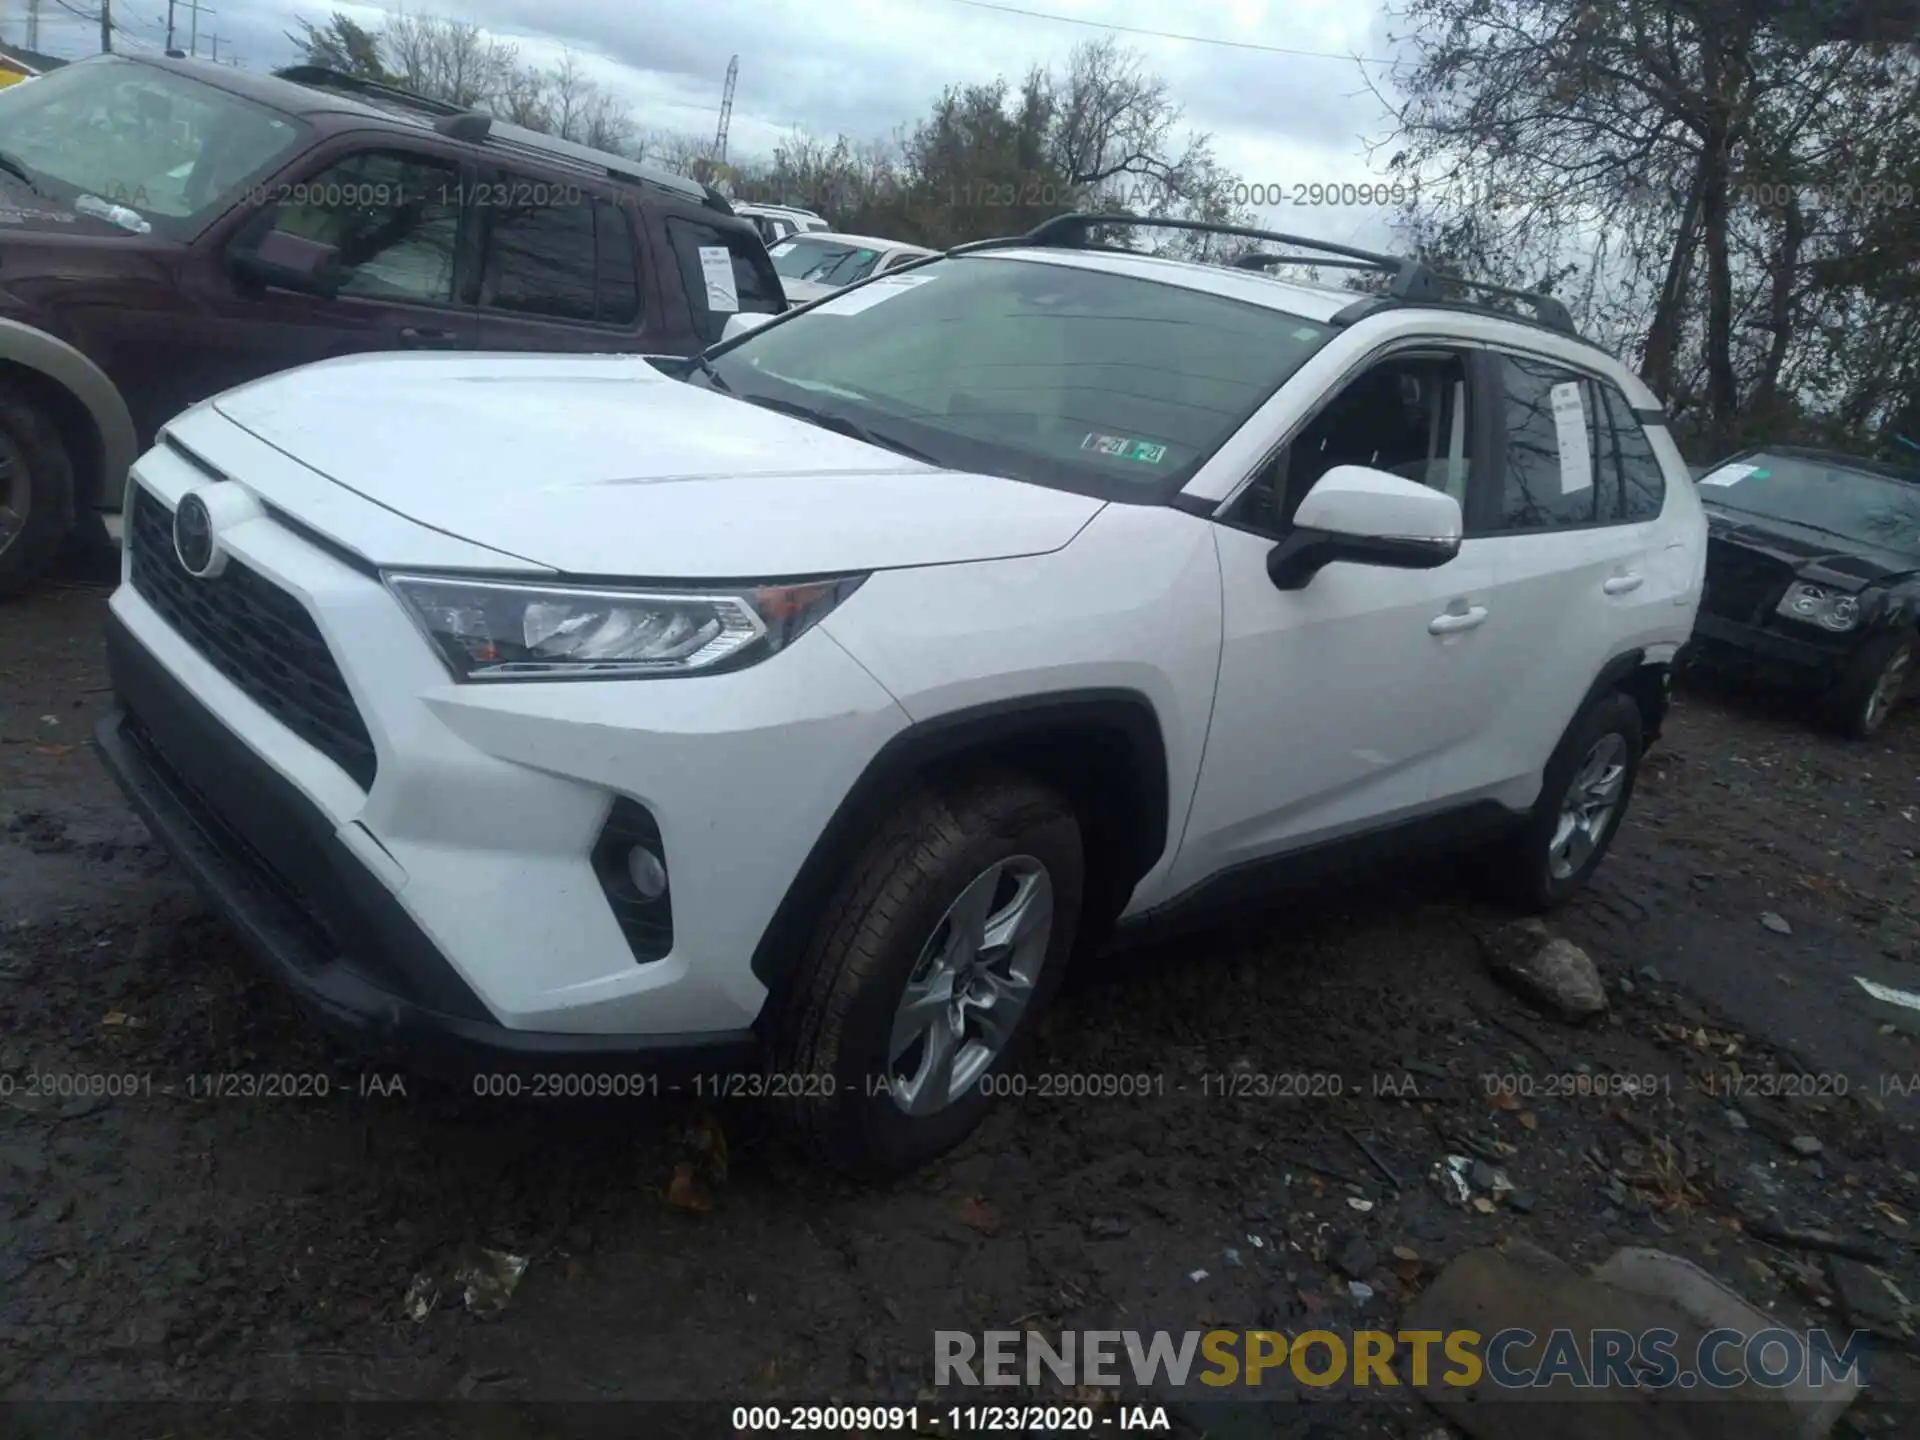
column 866, row 67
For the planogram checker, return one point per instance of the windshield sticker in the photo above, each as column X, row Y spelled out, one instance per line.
column 869, row 295
column 1305, row 333
column 1732, row 475
column 782, row 248
column 1120, row 447
column 1570, row 429
column 716, row 267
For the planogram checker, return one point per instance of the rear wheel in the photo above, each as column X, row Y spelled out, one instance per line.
column 1875, row 683
column 928, row 973
column 36, row 492
column 1583, row 795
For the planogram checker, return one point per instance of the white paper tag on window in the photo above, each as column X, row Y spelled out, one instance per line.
column 1728, row 475
column 1570, row 429
column 716, row 267
column 869, row 295
column 782, row 248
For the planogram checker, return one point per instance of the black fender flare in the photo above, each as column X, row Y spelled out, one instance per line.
column 995, row 730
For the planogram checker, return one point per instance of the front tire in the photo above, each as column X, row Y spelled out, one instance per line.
column 928, row 972
column 36, row 492
column 1584, row 793
column 1879, row 677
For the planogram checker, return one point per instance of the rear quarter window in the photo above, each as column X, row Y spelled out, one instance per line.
column 756, row 287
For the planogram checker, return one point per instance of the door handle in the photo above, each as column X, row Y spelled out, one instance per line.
column 1454, row 621
column 1623, row 584
column 426, row 335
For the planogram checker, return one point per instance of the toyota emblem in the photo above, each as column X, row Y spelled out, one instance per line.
column 193, row 536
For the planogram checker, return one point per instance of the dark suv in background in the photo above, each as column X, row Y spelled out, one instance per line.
column 1813, row 576
column 170, row 228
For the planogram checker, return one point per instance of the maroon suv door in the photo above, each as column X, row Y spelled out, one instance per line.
column 398, row 209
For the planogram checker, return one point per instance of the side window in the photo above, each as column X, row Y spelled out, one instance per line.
column 1408, row 415
column 1643, row 484
column 394, row 218
column 540, row 260
column 618, row 272
column 756, row 287
column 1555, row 474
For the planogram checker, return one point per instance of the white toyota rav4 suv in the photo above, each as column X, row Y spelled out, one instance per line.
column 793, row 711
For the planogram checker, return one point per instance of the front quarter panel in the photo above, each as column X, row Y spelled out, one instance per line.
column 1133, row 603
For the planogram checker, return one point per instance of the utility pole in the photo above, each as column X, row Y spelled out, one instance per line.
column 726, row 111
column 216, row 48
column 106, row 27
column 33, row 25
column 169, row 27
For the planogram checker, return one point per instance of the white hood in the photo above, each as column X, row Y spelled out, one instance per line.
column 601, row 465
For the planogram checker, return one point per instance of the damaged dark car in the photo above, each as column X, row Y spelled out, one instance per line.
column 1813, row 579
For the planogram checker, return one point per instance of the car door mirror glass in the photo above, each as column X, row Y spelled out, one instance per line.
column 288, row 262
column 1364, row 516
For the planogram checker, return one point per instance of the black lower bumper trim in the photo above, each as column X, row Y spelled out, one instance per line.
column 1717, row 640
column 243, row 834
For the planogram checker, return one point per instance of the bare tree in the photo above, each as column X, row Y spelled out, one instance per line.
column 452, row 60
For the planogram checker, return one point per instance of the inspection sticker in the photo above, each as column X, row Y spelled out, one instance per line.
column 1732, row 475
column 865, row 297
column 1121, row 448
column 782, row 248
column 1570, row 428
column 716, row 268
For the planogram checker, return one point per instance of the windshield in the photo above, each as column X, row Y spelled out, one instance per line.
column 1080, row 379
column 173, row 150
column 825, row 262
column 1828, row 495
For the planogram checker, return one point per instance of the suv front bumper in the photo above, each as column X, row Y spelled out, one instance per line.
column 1785, row 658
column 193, row 784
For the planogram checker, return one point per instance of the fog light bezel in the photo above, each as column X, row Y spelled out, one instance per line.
column 646, row 922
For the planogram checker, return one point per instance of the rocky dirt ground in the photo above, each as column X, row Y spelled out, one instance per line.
column 160, row 1245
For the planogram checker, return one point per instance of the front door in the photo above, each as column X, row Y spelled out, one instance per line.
column 397, row 218
column 1339, row 705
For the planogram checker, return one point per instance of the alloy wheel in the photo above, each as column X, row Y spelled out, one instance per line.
column 970, row 985
column 1588, row 808
column 1886, row 690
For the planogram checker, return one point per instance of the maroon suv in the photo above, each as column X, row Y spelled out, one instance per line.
column 169, row 229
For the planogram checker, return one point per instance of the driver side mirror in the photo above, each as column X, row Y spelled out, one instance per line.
column 288, row 262
column 1367, row 517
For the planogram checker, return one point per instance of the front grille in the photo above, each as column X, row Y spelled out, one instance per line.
column 1741, row 583
column 257, row 635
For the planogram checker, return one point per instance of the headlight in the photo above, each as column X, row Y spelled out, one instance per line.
column 1819, row 605
column 507, row 630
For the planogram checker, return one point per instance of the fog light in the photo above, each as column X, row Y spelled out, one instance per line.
column 648, row 875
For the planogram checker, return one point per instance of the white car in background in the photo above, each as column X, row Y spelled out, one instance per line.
column 818, row 264
column 780, row 222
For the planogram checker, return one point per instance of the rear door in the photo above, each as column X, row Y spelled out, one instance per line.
column 560, row 267
column 1576, row 573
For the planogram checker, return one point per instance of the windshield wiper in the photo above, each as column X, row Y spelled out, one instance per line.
column 705, row 367
column 15, row 167
column 845, row 425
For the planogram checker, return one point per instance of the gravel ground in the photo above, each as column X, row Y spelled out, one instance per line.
column 164, row 1245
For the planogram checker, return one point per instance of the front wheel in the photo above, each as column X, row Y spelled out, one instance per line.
column 1583, row 795
column 36, row 491
column 944, row 942
column 1877, row 680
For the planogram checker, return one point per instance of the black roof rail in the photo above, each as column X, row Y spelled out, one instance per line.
column 468, row 125
column 322, row 77
column 1428, row 287
column 1410, row 282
